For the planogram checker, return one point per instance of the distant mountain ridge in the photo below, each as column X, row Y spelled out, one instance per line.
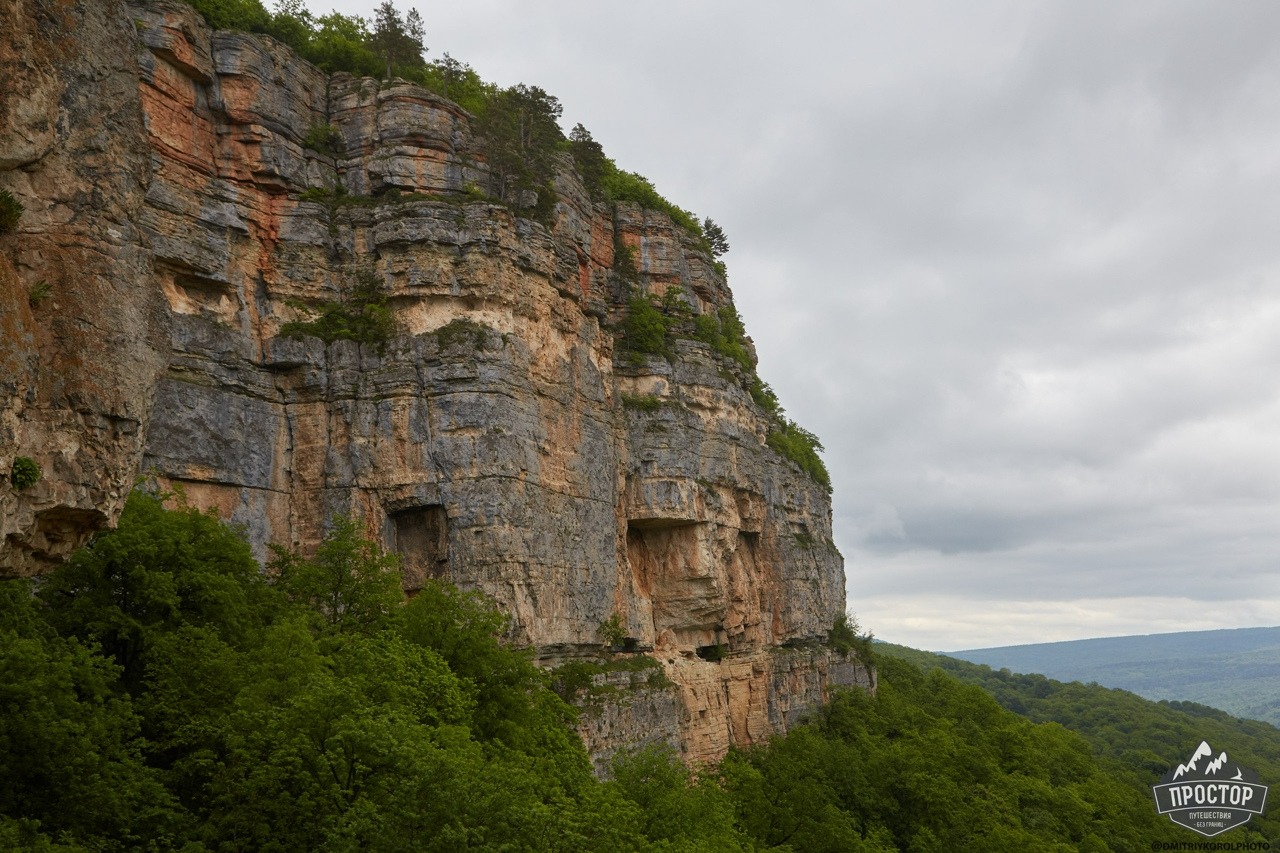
column 1235, row 670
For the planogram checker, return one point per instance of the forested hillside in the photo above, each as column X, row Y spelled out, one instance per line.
column 161, row 692
column 1133, row 739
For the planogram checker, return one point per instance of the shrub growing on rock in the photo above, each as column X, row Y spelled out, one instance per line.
column 10, row 211
column 25, row 473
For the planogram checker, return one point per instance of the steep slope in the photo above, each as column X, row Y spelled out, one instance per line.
column 1136, row 740
column 487, row 441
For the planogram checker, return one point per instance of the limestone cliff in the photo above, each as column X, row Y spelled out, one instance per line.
column 165, row 174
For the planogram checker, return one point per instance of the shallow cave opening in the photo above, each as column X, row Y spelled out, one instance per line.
column 629, row 644
column 714, row 653
column 422, row 541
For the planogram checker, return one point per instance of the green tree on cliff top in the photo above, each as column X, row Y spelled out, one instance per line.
column 397, row 39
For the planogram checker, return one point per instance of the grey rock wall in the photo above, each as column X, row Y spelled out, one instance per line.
column 488, row 442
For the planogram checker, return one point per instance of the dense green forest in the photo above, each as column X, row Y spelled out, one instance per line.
column 1132, row 738
column 160, row 691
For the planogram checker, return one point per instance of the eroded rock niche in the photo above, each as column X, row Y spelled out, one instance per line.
column 671, row 561
column 181, row 219
column 420, row 535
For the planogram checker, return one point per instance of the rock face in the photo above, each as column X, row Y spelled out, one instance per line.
column 77, row 371
column 175, row 209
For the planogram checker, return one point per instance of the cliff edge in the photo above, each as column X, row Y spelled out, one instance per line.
column 179, row 215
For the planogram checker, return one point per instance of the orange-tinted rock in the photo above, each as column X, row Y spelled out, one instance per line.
column 167, row 212
column 78, row 369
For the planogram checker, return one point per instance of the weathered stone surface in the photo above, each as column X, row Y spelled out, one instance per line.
column 636, row 716
column 710, row 705
column 487, row 442
column 78, row 370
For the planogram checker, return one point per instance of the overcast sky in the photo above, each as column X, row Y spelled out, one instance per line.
column 1017, row 264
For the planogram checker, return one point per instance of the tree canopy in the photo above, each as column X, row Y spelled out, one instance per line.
column 397, row 39
column 161, row 692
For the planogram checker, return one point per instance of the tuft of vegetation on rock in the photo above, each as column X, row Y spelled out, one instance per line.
column 646, row 330
column 39, row 292
column 24, row 474
column 361, row 314
column 10, row 211
column 613, row 630
column 642, row 402
column 464, row 333
column 326, row 139
column 606, row 182
column 576, row 680
column 846, row 637
column 801, row 447
column 649, row 328
column 724, row 332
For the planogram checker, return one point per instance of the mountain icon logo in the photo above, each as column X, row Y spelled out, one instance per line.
column 1209, row 794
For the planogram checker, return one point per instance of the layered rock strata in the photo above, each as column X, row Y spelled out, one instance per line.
column 180, row 219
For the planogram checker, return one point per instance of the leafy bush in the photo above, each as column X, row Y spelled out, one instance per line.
column 362, row 314
column 575, row 680
column 326, row 139
column 642, row 402
column 646, row 330
column 158, row 572
column 349, row 584
column 246, row 15
column 613, row 631
column 25, row 473
column 319, row 194
column 462, row 332
column 801, row 447
column 618, row 185
column 10, row 211
column 726, row 335
column 339, row 43
column 74, row 767
column 763, row 395
column 681, row 809
column 846, row 637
